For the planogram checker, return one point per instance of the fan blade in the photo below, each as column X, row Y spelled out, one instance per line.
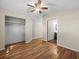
column 30, row 5
column 39, row 2
column 36, row 4
column 32, row 10
column 44, row 7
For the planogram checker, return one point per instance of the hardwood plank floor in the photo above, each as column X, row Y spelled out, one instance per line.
column 53, row 41
column 37, row 49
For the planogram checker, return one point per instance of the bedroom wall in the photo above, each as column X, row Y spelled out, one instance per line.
column 68, row 26
column 37, row 29
column 2, row 34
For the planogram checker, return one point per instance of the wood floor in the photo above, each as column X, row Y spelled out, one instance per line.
column 53, row 41
column 37, row 49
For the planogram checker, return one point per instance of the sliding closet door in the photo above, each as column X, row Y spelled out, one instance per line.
column 15, row 30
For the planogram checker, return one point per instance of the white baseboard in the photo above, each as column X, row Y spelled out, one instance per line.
column 36, row 38
column 40, row 38
column 44, row 40
column 68, row 47
column 28, row 41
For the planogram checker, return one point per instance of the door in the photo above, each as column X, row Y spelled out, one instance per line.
column 52, row 29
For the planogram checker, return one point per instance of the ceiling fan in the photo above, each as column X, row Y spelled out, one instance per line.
column 38, row 7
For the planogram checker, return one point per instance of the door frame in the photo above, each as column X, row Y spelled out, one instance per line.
column 47, row 26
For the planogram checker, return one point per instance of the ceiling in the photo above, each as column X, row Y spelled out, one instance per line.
column 21, row 5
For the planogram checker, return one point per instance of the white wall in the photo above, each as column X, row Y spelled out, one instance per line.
column 2, row 33
column 28, row 30
column 37, row 30
column 28, row 26
column 68, row 34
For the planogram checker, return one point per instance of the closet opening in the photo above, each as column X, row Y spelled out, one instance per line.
column 14, row 30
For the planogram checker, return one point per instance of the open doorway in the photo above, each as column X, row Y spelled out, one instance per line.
column 52, row 31
column 14, row 30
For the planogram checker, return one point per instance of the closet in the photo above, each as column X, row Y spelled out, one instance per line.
column 14, row 30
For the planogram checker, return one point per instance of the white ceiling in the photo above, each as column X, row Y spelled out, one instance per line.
column 21, row 5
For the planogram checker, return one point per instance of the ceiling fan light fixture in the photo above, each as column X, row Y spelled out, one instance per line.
column 37, row 9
